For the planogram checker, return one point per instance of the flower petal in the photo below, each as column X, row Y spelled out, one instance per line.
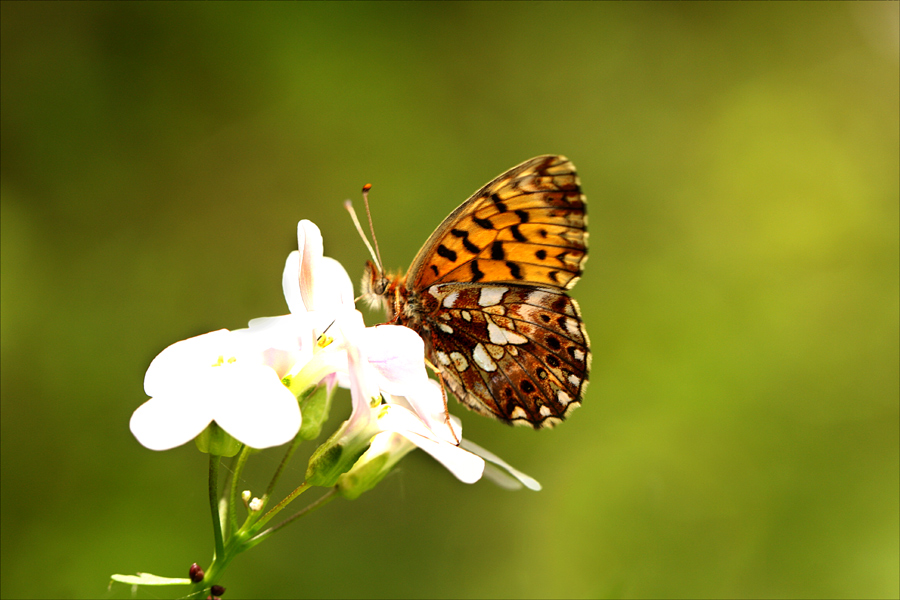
column 177, row 365
column 290, row 283
column 466, row 466
column 427, row 400
column 527, row 481
column 333, row 285
column 169, row 421
column 282, row 342
column 309, row 241
column 398, row 353
column 255, row 408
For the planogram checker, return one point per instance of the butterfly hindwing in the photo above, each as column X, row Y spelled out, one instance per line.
column 517, row 353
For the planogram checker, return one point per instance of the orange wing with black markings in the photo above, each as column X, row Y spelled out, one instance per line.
column 525, row 227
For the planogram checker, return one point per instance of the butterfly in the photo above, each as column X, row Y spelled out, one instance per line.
column 487, row 294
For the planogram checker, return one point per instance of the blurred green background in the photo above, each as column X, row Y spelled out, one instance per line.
column 740, row 434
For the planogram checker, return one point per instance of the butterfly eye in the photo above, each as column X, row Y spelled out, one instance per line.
column 381, row 286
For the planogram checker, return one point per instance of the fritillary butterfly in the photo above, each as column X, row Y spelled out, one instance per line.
column 487, row 294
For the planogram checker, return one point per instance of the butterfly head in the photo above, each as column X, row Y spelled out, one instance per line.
column 375, row 287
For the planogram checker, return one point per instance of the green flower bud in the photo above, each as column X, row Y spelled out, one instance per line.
column 337, row 455
column 383, row 454
column 314, row 406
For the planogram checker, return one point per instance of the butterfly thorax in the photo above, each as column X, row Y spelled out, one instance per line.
column 401, row 305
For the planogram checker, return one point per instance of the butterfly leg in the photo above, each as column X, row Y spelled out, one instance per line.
column 444, row 397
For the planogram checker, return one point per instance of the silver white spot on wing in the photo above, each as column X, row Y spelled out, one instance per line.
column 450, row 299
column 491, row 295
column 445, row 328
column 459, row 361
column 551, row 422
column 483, row 359
column 538, row 298
column 501, row 336
column 518, row 413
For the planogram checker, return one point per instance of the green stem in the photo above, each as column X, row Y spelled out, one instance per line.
column 281, row 505
column 233, row 492
column 287, row 456
column 214, row 461
column 240, row 542
column 325, row 499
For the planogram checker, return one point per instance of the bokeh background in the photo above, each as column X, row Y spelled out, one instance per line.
column 740, row 434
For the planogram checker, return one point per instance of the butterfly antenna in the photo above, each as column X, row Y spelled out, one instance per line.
column 349, row 206
column 365, row 193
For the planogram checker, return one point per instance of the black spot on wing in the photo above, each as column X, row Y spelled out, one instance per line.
column 477, row 274
column 497, row 252
column 464, row 236
column 483, row 223
column 517, row 234
column 446, row 252
column 514, row 270
column 501, row 206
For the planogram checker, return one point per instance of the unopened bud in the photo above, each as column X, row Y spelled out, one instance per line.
column 196, row 573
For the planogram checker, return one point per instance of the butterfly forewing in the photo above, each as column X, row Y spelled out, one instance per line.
column 487, row 294
column 525, row 227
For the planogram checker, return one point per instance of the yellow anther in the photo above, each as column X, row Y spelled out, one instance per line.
column 222, row 360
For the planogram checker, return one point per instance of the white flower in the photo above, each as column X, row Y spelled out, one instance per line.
column 319, row 288
column 378, row 434
column 396, row 407
column 235, row 377
column 231, row 378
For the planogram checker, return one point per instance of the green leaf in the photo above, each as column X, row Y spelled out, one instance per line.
column 148, row 579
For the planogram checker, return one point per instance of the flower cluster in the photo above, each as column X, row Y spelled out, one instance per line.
column 272, row 383
column 255, row 387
